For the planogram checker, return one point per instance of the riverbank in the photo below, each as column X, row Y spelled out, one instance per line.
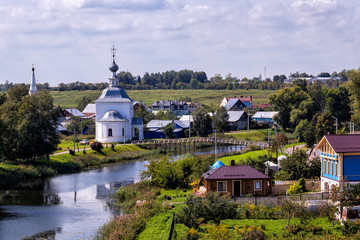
column 16, row 174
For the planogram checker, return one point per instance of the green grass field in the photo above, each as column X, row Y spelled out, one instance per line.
column 207, row 97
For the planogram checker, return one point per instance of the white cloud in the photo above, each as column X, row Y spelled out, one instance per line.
column 157, row 35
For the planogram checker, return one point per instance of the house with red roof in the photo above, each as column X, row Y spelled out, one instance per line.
column 237, row 180
column 340, row 160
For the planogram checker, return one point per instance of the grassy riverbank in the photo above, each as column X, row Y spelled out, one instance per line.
column 15, row 173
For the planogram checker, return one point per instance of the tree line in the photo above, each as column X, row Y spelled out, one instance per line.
column 312, row 110
column 186, row 79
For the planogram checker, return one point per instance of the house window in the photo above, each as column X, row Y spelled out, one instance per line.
column 123, row 132
column 221, row 186
column 257, row 185
column 110, row 132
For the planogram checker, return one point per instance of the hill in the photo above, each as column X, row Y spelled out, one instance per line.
column 207, row 97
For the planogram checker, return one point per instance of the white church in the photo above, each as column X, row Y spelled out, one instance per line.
column 115, row 120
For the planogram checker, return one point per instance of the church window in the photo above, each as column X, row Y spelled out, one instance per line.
column 109, row 132
column 123, row 132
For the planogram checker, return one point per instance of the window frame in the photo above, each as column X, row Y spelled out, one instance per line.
column 257, row 189
column 110, row 132
column 224, row 186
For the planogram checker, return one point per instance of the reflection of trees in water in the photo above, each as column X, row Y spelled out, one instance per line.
column 50, row 234
column 7, row 215
column 105, row 191
column 22, row 197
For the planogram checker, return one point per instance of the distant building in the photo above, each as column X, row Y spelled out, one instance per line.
column 237, row 180
column 234, row 105
column 340, row 160
column 137, row 105
column 264, row 117
column 192, row 106
column 247, row 101
column 89, row 110
column 179, row 108
column 262, row 106
column 237, row 120
column 73, row 112
column 155, row 128
column 33, row 88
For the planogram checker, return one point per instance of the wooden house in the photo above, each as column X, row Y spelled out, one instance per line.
column 340, row 160
column 237, row 181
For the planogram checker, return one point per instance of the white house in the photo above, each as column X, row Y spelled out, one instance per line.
column 114, row 112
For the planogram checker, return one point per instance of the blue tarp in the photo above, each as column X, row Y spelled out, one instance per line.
column 217, row 164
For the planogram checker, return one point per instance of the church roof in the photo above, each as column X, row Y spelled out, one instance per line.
column 112, row 116
column 114, row 94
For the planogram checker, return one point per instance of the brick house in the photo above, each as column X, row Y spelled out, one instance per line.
column 238, row 181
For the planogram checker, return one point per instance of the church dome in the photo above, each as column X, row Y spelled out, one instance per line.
column 112, row 116
column 113, row 67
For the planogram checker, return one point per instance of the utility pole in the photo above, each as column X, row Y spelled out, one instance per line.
column 74, row 134
column 248, row 122
column 215, row 146
column 189, row 127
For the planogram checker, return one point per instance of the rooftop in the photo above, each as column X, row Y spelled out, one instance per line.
column 344, row 143
column 234, row 172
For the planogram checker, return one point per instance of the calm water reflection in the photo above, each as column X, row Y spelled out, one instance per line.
column 70, row 206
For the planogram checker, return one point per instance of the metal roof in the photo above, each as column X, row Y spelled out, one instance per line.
column 90, row 108
column 264, row 114
column 344, row 143
column 75, row 112
column 112, row 116
column 231, row 103
column 114, row 94
column 164, row 123
column 235, row 116
column 234, row 172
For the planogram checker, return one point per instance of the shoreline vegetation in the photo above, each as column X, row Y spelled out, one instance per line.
column 16, row 174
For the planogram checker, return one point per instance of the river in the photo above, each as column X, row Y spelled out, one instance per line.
column 69, row 206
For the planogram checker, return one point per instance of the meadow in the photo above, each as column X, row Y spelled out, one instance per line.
column 211, row 98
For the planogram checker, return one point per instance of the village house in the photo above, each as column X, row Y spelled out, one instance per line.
column 238, row 181
column 247, row 101
column 89, row 110
column 155, row 128
column 264, row 117
column 340, row 160
column 237, row 120
column 192, row 106
column 73, row 112
column 179, row 108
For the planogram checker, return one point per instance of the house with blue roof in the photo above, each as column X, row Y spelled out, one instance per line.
column 155, row 128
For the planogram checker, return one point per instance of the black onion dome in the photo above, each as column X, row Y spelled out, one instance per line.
column 113, row 67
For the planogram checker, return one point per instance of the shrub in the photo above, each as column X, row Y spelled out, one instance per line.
column 350, row 227
column 97, row 146
column 302, row 184
column 192, row 234
column 72, row 152
column 314, row 229
column 295, row 189
column 211, row 207
column 294, row 229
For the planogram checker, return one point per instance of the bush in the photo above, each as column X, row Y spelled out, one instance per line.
column 97, row 146
column 71, row 152
column 302, row 184
column 211, row 207
column 314, row 229
column 294, row 229
column 295, row 189
column 350, row 227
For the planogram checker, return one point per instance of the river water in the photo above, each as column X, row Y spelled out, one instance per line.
column 69, row 206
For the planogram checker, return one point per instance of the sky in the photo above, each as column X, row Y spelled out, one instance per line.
column 70, row 40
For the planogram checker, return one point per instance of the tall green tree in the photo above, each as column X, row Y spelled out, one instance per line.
column 296, row 165
column 293, row 105
column 221, row 119
column 338, row 103
column 354, row 89
column 30, row 126
column 37, row 126
column 169, row 130
column 324, row 125
column 202, row 123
